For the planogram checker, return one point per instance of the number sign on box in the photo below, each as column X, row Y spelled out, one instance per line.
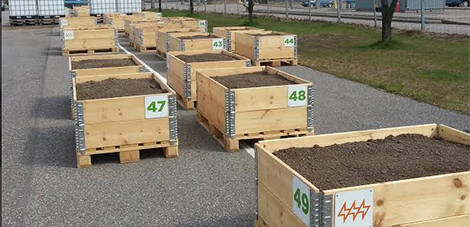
column 289, row 41
column 68, row 35
column 156, row 106
column 218, row 44
column 202, row 24
column 297, row 95
column 301, row 200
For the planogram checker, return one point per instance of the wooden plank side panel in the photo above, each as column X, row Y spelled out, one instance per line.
column 244, row 45
column 260, row 98
column 456, row 221
column 418, row 199
column 115, row 109
column 453, row 135
column 270, row 119
column 211, row 101
column 93, row 34
column 176, row 82
column 126, row 132
column 273, row 212
column 345, row 137
column 101, row 77
column 107, row 71
column 89, row 44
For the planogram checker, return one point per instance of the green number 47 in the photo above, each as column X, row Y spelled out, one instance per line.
column 294, row 96
column 156, row 106
column 302, row 201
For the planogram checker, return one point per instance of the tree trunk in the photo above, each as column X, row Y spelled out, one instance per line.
column 191, row 7
column 159, row 5
column 387, row 16
column 251, row 5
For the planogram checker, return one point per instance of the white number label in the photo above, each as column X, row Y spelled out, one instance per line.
column 68, row 35
column 218, row 44
column 159, row 15
column 354, row 208
column 156, row 106
column 301, row 200
column 202, row 24
column 88, row 11
column 64, row 23
column 297, row 95
column 289, row 41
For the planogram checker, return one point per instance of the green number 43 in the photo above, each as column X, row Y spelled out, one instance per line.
column 156, row 106
column 218, row 44
column 302, row 201
column 294, row 96
column 289, row 41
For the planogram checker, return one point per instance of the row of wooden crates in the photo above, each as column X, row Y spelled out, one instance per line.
column 121, row 124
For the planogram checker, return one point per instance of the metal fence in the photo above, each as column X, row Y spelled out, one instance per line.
column 424, row 15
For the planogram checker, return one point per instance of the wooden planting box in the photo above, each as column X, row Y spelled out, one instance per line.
column 184, row 42
column 116, row 20
column 230, row 34
column 162, row 37
column 124, row 125
column 77, row 22
column 130, row 20
column 138, row 67
column 433, row 201
column 182, row 75
column 271, row 48
column 196, row 24
column 231, row 115
column 96, row 40
column 149, row 15
column 145, row 35
column 81, row 11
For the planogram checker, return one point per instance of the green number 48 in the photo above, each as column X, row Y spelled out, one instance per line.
column 156, row 106
column 294, row 96
column 302, row 201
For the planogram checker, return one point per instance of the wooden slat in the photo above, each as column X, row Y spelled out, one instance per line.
column 270, row 119
column 211, row 101
column 456, row 221
column 450, row 134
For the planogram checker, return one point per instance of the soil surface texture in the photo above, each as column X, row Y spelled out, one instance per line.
column 206, row 57
column 247, row 80
column 376, row 161
column 111, row 88
column 267, row 34
column 199, row 37
column 102, row 63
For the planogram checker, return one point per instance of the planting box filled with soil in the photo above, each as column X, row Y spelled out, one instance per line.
column 145, row 35
column 123, row 113
column 182, row 68
column 405, row 176
column 162, row 37
column 230, row 33
column 97, row 39
column 193, row 41
column 267, row 47
column 196, row 24
column 253, row 103
column 77, row 22
column 103, row 65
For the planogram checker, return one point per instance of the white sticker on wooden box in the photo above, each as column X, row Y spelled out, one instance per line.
column 301, row 200
column 354, row 208
column 156, row 106
column 297, row 95
column 289, row 41
column 218, row 44
column 68, row 35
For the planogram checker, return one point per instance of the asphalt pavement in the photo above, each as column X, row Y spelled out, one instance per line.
column 205, row 186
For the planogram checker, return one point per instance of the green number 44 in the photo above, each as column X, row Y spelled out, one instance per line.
column 218, row 44
column 294, row 96
column 302, row 201
column 153, row 106
column 289, row 41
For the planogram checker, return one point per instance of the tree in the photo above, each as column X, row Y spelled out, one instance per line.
column 191, row 7
column 250, row 7
column 387, row 15
column 159, row 5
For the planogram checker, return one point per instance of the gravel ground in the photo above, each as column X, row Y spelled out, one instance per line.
column 205, row 186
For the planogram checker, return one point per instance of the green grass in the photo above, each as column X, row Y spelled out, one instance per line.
column 429, row 68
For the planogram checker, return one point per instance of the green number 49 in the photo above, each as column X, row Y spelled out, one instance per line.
column 289, row 41
column 302, row 201
column 156, row 106
column 294, row 96
column 218, row 44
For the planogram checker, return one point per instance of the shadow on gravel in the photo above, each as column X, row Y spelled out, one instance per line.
column 53, row 51
column 56, row 107
column 51, row 146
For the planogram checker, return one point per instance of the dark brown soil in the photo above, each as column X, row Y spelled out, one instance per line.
column 199, row 37
column 267, row 34
column 259, row 79
column 102, row 63
column 375, row 161
column 111, row 88
column 206, row 57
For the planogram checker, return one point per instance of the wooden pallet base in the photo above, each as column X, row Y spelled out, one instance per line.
column 127, row 153
column 234, row 144
column 112, row 50
column 146, row 49
column 275, row 62
column 46, row 21
column 185, row 103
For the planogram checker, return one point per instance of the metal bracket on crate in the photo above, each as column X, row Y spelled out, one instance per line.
column 167, row 42
column 295, row 46
column 182, row 46
column 321, row 208
column 187, row 80
column 248, row 63
column 230, row 113
column 142, row 69
column 225, row 44
column 310, row 106
column 256, row 49
column 72, row 74
column 79, row 127
column 256, row 178
column 116, row 36
column 229, row 41
column 173, row 115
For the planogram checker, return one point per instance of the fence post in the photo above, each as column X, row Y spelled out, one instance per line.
column 375, row 14
column 225, row 6
column 205, row 5
column 267, row 2
column 338, row 7
column 287, row 9
column 309, row 10
column 422, row 15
